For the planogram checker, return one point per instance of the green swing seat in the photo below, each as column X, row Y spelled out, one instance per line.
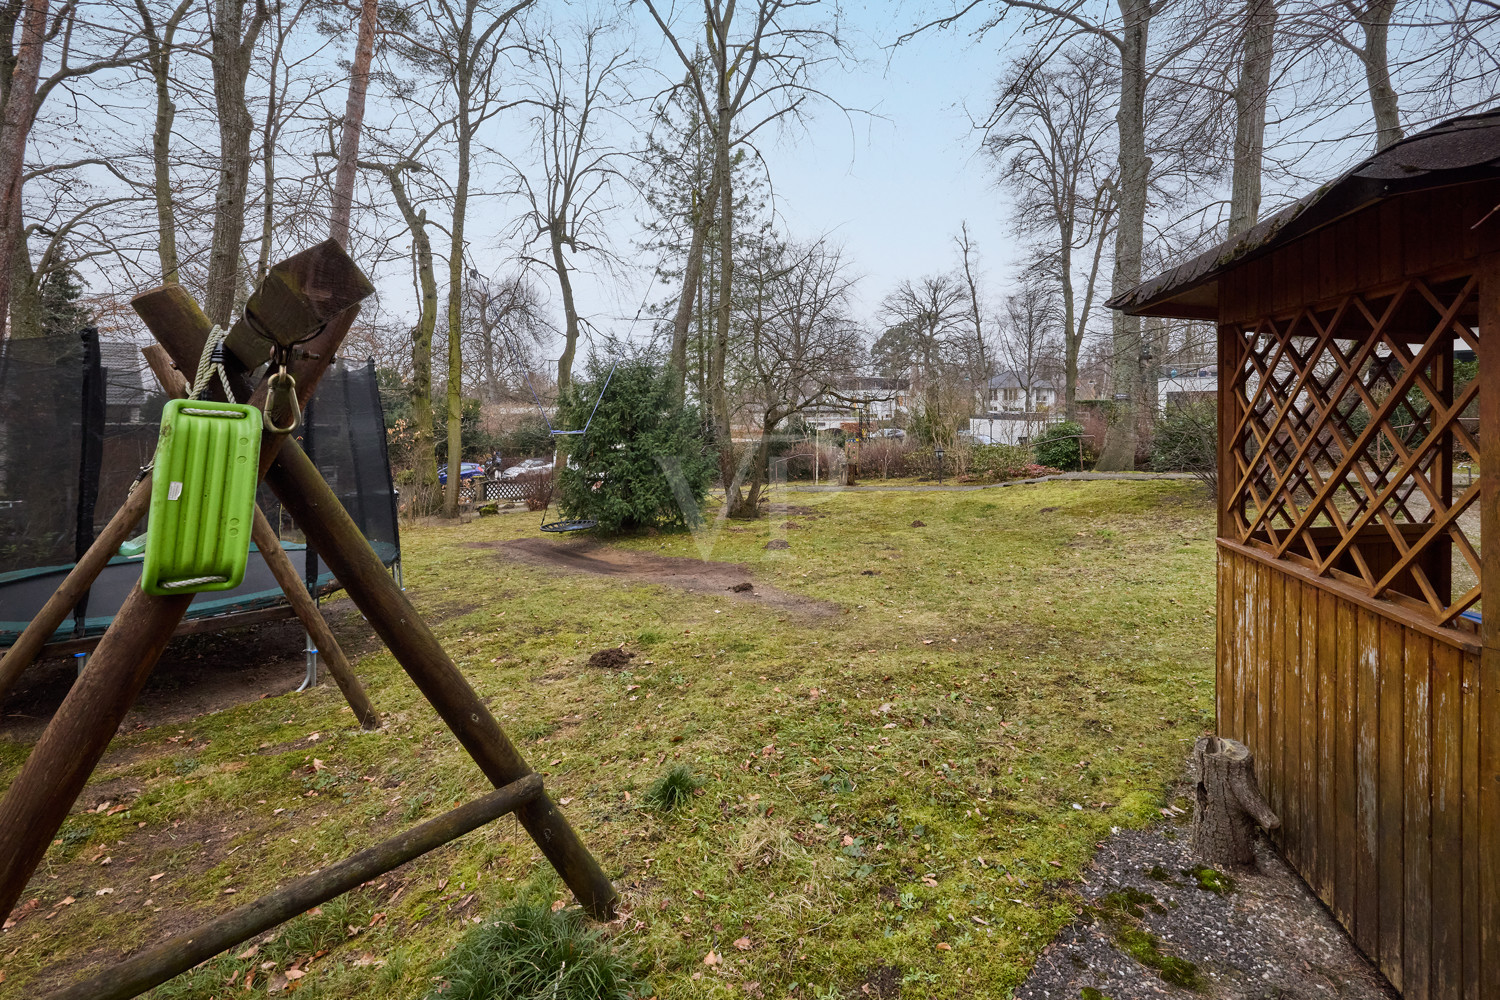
column 202, row 497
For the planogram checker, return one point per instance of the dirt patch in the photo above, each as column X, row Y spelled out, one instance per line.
column 611, row 659
column 919, row 524
column 696, row 575
column 1269, row 937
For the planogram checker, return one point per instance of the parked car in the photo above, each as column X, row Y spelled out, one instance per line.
column 974, row 438
column 888, row 432
column 527, row 467
column 466, row 470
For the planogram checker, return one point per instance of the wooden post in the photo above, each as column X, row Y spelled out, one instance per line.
column 331, row 530
column 264, row 537
column 312, row 619
column 1488, row 974
column 80, row 578
column 37, row 802
column 155, row 966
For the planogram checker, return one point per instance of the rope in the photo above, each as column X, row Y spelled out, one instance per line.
column 211, row 362
column 192, row 581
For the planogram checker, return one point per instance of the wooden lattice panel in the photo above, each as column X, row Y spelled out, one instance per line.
column 1345, row 426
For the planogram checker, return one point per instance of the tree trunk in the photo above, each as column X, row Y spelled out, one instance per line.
column 1126, row 365
column 15, row 126
column 570, row 311
column 455, row 308
column 1375, row 20
column 159, row 61
column 231, row 66
column 1250, row 97
column 354, row 120
column 717, row 386
column 1227, row 803
column 25, row 293
column 703, row 218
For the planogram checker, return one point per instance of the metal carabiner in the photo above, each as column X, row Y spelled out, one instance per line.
column 281, row 394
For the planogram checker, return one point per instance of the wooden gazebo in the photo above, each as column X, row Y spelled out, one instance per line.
column 1358, row 533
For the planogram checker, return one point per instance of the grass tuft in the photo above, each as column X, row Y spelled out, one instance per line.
column 673, row 789
column 530, row 952
column 1145, row 947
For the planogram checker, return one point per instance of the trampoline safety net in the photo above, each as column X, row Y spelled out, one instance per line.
column 80, row 418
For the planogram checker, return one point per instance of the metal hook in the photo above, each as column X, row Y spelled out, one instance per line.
column 281, row 394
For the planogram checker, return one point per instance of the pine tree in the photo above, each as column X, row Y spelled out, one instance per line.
column 61, row 312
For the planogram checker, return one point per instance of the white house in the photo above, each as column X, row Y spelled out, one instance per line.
column 876, row 400
column 1008, row 392
column 1181, row 385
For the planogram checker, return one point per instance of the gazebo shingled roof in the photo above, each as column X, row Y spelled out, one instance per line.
column 1457, row 151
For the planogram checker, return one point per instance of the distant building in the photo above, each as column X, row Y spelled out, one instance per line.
column 875, row 400
column 1175, row 385
column 1008, row 392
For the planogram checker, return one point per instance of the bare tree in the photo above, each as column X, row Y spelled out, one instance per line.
column 797, row 343
column 1029, row 340
column 923, row 317
column 232, row 37
column 161, row 46
column 505, row 323
column 1251, row 94
column 571, row 200
column 461, row 41
column 424, row 276
column 354, row 119
column 975, row 344
column 1049, row 137
column 758, row 67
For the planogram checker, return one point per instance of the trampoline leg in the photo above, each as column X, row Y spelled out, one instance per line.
column 80, row 661
column 311, row 679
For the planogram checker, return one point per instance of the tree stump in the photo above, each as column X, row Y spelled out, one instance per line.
column 1227, row 803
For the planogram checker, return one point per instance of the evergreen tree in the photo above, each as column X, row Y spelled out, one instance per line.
column 61, row 311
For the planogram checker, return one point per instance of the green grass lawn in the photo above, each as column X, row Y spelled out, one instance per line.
column 903, row 786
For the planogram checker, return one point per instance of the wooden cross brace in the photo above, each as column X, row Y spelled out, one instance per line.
column 317, row 291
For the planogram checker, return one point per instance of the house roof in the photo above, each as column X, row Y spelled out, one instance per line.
column 1457, row 151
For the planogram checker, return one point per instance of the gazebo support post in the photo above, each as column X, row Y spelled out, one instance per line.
column 1489, row 656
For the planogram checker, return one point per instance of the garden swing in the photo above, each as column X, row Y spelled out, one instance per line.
column 578, row 523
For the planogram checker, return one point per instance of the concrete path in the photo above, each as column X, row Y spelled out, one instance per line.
column 993, row 486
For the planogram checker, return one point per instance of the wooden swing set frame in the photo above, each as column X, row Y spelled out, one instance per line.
column 311, row 298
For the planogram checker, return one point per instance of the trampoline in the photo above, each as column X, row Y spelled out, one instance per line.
column 78, row 424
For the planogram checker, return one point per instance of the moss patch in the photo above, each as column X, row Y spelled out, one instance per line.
column 1210, row 879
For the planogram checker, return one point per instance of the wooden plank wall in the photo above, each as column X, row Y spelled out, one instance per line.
column 1367, row 740
column 1373, row 248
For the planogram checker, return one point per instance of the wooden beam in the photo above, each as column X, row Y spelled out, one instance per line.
column 1488, row 973
column 302, row 604
column 38, row 800
column 155, row 966
column 331, row 530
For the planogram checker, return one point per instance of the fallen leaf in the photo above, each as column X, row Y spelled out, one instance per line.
column 294, row 974
column 944, row 946
column 928, row 880
column 558, row 905
column 563, row 802
column 712, row 958
column 158, row 875
column 318, row 765
column 848, row 841
column 103, row 892
column 248, row 953
column 378, row 918
column 67, row 901
column 119, row 808
column 743, row 944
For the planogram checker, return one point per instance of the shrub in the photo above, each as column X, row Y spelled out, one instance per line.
column 673, row 789
column 1060, row 447
column 530, row 952
column 530, row 438
column 885, row 457
column 1001, row 461
column 537, row 488
column 801, row 463
column 1186, row 440
column 645, row 461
